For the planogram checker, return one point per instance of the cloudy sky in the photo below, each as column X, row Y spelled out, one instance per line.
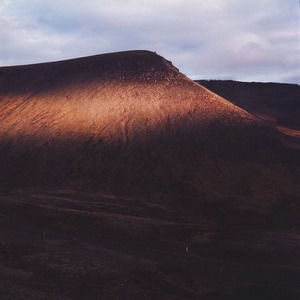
column 247, row 40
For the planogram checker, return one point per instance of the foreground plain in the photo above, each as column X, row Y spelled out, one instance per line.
column 70, row 245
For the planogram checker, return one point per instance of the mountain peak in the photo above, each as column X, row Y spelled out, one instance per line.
column 134, row 65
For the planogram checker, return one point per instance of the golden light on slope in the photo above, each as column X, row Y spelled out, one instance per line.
column 106, row 110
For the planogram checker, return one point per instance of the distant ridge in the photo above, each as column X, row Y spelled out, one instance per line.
column 131, row 123
column 276, row 104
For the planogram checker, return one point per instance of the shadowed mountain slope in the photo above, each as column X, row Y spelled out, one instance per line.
column 275, row 104
column 130, row 123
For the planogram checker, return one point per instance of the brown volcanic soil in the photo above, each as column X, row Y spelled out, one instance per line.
column 111, row 165
column 131, row 123
column 276, row 104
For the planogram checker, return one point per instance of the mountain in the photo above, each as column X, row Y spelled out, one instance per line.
column 131, row 123
column 275, row 104
column 121, row 178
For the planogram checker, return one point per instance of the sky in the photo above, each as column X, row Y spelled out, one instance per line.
column 246, row 40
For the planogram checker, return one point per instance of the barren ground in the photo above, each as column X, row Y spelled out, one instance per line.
column 70, row 245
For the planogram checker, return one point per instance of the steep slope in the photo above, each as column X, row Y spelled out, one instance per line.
column 130, row 123
column 276, row 104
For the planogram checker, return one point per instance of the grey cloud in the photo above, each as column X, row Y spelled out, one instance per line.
column 245, row 40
